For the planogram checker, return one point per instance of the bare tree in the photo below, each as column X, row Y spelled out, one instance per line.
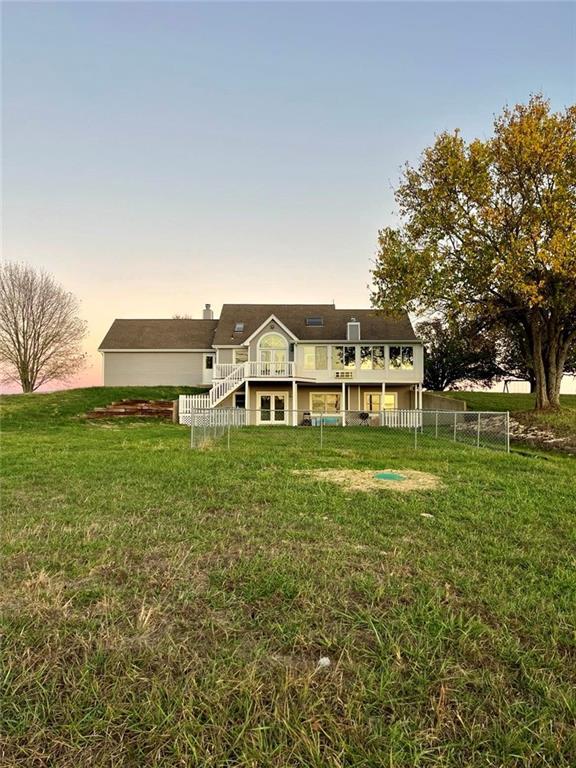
column 40, row 330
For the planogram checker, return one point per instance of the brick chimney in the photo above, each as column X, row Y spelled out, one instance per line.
column 207, row 313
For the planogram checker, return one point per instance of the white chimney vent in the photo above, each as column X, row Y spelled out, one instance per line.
column 207, row 313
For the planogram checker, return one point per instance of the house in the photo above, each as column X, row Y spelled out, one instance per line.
column 275, row 360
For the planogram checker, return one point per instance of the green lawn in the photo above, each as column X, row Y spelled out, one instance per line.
column 168, row 607
column 499, row 401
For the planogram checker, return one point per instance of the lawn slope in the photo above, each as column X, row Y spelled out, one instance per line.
column 554, row 424
column 168, row 607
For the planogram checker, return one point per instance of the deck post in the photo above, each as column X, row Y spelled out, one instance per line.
column 382, row 403
column 247, row 403
column 343, row 405
column 294, row 403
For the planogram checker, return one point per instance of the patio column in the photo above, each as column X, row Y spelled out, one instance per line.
column 382, row 404
column 247, row 405
column 294, row 403
column 343, row 404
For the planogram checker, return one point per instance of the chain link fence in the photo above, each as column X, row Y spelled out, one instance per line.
column 390, row 428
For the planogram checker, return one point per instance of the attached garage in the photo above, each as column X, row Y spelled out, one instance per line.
column 158, row 352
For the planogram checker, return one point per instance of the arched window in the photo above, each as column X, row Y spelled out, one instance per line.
column 273, row 341
column 273, row 354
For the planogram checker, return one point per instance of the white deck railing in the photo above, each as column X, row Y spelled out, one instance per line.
column 254, row 370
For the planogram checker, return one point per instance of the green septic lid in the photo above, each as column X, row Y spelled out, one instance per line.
column 389, row 476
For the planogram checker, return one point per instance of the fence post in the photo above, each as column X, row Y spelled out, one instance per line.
column 321, row 432
column 415, row 433
column 228, row 438
column 436, row 426
column 455, row 414
column 192, row 430
column 507, row 431
column 478, row 432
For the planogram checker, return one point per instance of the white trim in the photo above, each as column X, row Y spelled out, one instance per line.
column 271, row 319
column 157, row 349
column 362, row 342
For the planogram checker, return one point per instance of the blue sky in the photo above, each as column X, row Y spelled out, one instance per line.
column 161, row 155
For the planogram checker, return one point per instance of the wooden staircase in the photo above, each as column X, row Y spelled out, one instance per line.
column 141, row 409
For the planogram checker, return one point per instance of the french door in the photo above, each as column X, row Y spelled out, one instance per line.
column 272, row 407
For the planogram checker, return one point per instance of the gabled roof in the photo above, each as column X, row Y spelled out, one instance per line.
column 160, row 334
column 373, row 326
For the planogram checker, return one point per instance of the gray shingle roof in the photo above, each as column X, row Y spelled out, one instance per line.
column 373, row 326
column 160, row 334
column 203, row 334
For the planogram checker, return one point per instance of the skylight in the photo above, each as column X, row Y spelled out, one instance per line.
column 315, row 322
column 239, row 327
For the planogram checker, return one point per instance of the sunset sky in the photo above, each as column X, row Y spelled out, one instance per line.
column 157, row 156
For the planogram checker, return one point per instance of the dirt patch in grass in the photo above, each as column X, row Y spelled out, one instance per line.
column 366, row 480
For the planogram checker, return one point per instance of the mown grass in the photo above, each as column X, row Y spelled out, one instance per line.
column 168, row 607
column 503, row 401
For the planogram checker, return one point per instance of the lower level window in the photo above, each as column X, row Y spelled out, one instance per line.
column 374, row 402
column 325, row 402
column 240, row 400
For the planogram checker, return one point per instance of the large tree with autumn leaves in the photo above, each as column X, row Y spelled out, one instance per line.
column 489, row 233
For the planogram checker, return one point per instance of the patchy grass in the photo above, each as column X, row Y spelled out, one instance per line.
column 558, row 424
column 168, row 607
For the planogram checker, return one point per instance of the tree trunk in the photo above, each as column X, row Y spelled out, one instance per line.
column 541, row 383
column 549, row 357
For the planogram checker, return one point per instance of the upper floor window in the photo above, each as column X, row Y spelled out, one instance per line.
column 343, row 357
column 372, row 358
column 241, row 355
column 239, row 328
column 402, row 358
column 273, row 341
column 315, row 322
column 315, row 358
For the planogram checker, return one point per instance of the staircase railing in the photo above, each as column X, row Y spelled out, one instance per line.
column 223, row 387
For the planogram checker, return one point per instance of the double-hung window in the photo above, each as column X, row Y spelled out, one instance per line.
column 241, row 355
column 343, row 357
column 315, row 358
column 402, row 358
column 371, row 358
column 375, row 401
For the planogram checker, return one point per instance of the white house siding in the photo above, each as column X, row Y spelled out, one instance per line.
column 152, row 368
